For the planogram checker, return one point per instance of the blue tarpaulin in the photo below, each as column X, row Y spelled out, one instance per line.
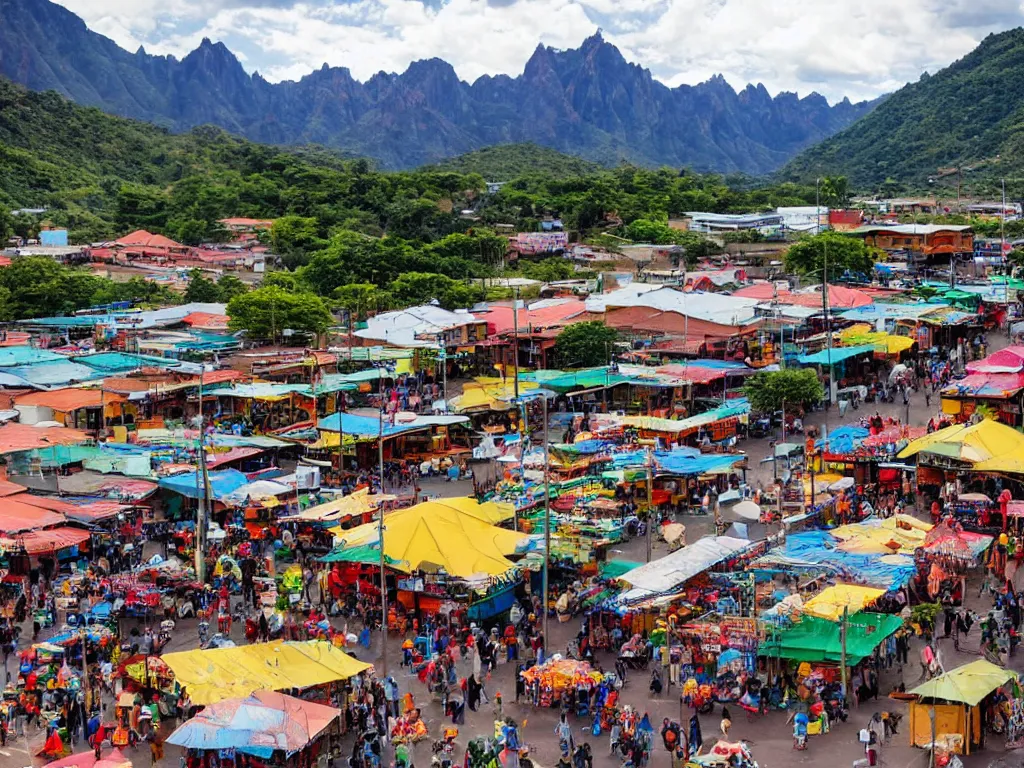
column 838, row 354
column 821, row 547
column 682, row 461
column 844, row 439
column 363, row 426
column 224, row 482
column 678, row 463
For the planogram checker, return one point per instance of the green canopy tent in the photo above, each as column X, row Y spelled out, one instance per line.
column 815, row 640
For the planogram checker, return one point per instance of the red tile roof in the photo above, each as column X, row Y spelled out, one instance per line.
column 19, row 517
column 206, row 320
column 69, row 399
column 16, row 437
column 7, row 488
column 499, row 319
column 142, row 238
column 43, row 502
column 41, row 542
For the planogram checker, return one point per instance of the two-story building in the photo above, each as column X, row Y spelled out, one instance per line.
column 921, row 242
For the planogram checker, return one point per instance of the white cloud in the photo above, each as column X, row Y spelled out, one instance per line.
column 856, row 48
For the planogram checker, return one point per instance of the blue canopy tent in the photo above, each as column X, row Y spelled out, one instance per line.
column 222, row 483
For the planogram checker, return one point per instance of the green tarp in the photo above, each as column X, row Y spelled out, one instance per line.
column 366, row 554
column 612, row 569
column 813, row 639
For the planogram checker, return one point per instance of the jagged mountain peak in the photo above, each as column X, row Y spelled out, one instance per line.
column 590, row 101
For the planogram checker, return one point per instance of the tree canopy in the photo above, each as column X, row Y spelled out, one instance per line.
column 769, row 390
column 266, row 313
column 837, row 253
column 585, row 345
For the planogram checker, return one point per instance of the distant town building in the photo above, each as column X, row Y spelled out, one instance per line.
column 54, row 237
column 804, row 218
column 710, row 223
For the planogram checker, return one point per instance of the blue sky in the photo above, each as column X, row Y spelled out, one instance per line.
column 855, row 48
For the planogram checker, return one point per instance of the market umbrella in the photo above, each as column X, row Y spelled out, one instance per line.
column 975, row 497
column 842, row 484
column 897, row 369
column 673, row 533
column 748, row 510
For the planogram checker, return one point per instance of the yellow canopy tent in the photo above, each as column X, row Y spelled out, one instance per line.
column 436, row 535
column 962, row 690
column 490, row 512
column 968, row 684
column 488, row 394
column 829, row 603
column 223, row 673
column 861, row 334
column 355, row 504
column 974, row 443
column 906, row 532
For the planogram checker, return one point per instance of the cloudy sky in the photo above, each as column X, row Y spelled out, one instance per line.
column 855, row 48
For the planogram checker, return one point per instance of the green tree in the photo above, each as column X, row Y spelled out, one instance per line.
column 648, row 231
column 549, row 270
column 839, row 252
column 293, row 238
column 767, row 391
column 361, row 299
column 6, row 225
column 414, row 288
column 584, row 345
column 266, row 313
column 229, row 286
column 36, row 287
column 835, row 191
column 201, row 289
column 289, row 281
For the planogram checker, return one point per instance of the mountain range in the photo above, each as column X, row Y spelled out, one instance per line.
column 965, row 121
column 590, row 102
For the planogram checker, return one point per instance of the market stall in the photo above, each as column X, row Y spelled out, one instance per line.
column 955, row 700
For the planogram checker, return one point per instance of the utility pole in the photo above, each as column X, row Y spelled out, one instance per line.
column 203, row 514
column 547, row 529
column 817, row 206
column 828, row 331
column 842, row 657
column 380, row 540
column 338, row 395
column 650, row 500
column 1002, row 253
column 515, row 354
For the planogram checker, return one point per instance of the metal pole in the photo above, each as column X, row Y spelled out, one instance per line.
column 817, row 207
column 828, row 332
column 204, row 497
column 1002, row 256
column 444, row 376
column 380, row 539
column 85, row 669
column 338, row 395
column 842, row 649
column 515, row 354
column 650, row 500
column 931, row 752
column 547, row 527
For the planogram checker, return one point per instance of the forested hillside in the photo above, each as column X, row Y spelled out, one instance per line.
column 348, row 234
column 969, row 115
